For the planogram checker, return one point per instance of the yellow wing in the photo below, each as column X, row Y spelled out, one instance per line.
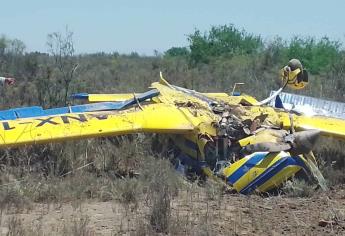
column 331, row 127
column 158, row 118
column 169, row 111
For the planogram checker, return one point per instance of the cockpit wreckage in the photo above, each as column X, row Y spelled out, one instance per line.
column 234, row 139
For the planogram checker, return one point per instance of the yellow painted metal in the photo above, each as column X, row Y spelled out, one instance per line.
column 234, row 100
column 175, row 116
column 243, row 98
column 266, row 135
column 331, row 127
column 256, row 170
column 191, row 144
column 278, row 118
column 187, row 144
column 110, row 97
column 279, row 178
column 158, row 118
column 118, row 97
column 234, row 166
column 291, row 79
column 196, row 111
column 216, row 95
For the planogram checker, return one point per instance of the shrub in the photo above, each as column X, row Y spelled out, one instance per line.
column 298, row 188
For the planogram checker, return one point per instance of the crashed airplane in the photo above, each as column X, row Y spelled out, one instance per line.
column 235, row 139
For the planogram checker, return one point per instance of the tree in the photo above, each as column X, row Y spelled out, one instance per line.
column 316, row 55
column 177, row 52
column 11, row 51
column 224, row 40
column 61, row 47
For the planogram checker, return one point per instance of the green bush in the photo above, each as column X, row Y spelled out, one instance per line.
column 316, row 55
column 224, row 41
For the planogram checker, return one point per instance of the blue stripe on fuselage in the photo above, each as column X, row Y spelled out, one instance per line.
column 271, row 171
column 191, row 144
column 250, row 163
column 196, row 165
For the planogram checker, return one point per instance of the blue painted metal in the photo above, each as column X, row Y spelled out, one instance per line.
column 195, row 165
column 28, row 111
column 36, row 111
column 191, row 144
column 8, row 115
column 56, row 111
column 273, row 170
column 278, row 103
column 24, row 112
column 80, row 96
column 250, row 163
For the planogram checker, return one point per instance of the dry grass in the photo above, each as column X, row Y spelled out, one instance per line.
column 299, row 188
column 142, row 188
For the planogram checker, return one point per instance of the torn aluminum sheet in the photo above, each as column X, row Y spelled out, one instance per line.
column 311, row 106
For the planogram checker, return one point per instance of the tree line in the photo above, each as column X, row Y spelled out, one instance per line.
column 213, row 61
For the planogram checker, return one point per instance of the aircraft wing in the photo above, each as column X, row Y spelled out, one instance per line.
column 314, row 113
column 158, row 118
column 34, row 125
column 331, row 127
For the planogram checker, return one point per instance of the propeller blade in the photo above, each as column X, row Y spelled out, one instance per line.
column 304, row 141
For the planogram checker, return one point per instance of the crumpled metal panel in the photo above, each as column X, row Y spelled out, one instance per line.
column 311, row 105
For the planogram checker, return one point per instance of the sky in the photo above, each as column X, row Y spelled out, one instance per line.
column 143, row 26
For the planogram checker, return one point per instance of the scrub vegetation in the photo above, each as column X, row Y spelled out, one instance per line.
column 126, row 184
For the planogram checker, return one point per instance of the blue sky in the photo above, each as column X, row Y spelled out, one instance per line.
column 143, row 26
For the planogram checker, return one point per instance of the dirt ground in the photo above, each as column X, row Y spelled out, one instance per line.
column 192, row 213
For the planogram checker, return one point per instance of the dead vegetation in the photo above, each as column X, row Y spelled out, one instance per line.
column 299, row 188
column 119, row 186
column 141, row 193
column 191, row 213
